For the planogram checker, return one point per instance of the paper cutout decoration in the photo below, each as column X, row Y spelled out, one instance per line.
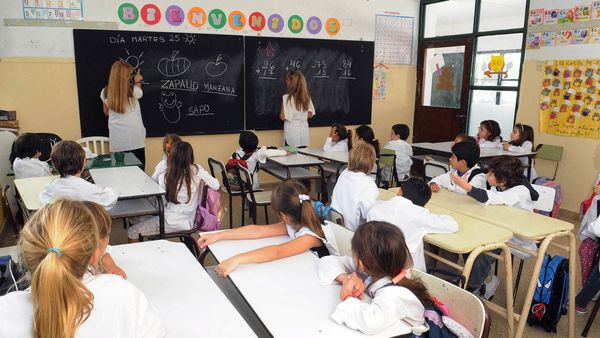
column 497, row 66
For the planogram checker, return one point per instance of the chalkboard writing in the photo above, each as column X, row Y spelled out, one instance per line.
column 193, row 83
column 339, row 75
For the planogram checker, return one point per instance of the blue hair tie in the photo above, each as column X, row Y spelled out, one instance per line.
column 56, row 251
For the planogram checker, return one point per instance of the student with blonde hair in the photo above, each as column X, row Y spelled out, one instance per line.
column 296, row 108
column 355, row 191
column 120, row 103
column 67, row 298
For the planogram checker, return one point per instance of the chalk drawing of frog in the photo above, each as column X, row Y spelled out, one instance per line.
column 170, row 107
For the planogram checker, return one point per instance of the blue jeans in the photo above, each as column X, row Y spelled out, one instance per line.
column 590, row 289
column 481, row 269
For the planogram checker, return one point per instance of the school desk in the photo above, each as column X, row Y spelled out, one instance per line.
column 102, row 161
column 524, row 224
column 189, row 302
column 135, row 189
column 444, row 149
column 293, row 166
column 333, row 156
column 286, row 295
column 470, row 239
column 28, row 193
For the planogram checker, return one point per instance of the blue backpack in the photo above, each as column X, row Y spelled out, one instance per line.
column 551, row 294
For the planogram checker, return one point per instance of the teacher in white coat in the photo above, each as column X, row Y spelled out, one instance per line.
column 296, row 108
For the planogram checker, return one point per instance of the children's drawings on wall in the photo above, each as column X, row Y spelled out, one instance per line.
column 379, row 82
column 570, row 98
column 566, row 26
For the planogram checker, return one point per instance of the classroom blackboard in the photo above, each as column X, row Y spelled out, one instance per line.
column 193, row 83
column 339, row 75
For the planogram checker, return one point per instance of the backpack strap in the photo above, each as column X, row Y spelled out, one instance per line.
column 476, row 172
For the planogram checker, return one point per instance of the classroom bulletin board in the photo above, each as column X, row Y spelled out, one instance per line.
column 570, row 98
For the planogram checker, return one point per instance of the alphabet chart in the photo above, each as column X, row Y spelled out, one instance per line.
column 393, row 39
column 53, row 9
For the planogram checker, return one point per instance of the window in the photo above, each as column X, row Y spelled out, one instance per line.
column 450, row 17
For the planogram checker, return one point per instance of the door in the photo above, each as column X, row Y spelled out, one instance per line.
column 441, row 106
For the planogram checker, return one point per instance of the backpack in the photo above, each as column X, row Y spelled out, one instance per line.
column 551, row 294
column 207, row 215
column 434, row 318
column 231, row 168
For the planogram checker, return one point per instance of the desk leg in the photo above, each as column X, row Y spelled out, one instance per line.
column 572, row 267
column 161, row 217
column 324, row 195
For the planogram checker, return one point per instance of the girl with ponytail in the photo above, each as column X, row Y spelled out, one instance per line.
column 66, row 298
column 379, row 251
column 298, row 220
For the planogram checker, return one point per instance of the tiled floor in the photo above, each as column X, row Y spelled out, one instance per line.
column 498, row 327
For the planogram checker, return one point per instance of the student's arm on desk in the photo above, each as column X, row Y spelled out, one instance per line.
column 440, row 181
column 439, row 224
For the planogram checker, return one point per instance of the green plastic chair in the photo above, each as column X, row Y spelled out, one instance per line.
column 549, row 152
column 387, row 158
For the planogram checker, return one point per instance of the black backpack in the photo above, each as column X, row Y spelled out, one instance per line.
column 551, row 294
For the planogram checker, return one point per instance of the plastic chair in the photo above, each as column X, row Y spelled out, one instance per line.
column 387, row 159
column 256, row 198
column 7, row 140
column 10, row 212
column 433, row 169
column 96, row 144
column 343, row 238
column 549, row 152
column 185, row 236
column 463, row 306
column 217, row 167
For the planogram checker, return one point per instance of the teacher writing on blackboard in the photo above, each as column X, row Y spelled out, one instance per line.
column 120, row 103
column 296, row 108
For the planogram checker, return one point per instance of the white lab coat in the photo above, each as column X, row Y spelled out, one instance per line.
column 160, row 168
column 78, row 189
column 403, row 152
column 590, row 216
column 335, row 146
column 353, row 195
column 30, row 167
column 445, row 181
column 259, row 156
column 295, row 126
column 389, row 304
column 120, row 310
column 126, row 131
column 414, row 221
column 483, row 143
column 526, row 147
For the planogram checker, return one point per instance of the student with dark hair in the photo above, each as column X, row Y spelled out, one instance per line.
column 521, row 141
column 402, row 149
column 407, row 212
column 509, row 187
column 298, row 220
column 27, row 152
column 464, row 137
column 340, row 139
column 181, row 181
column 365, row 133
column 489, row 134
column 68, row 158
column 253, row 155
column 379, row 251
column 463, row 161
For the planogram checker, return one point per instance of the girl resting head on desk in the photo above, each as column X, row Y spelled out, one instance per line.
column 379, row 251
column 68, row 297
column 299, row 221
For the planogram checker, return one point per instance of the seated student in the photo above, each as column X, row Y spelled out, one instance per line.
column 249, row 152
column 380, row 252
column 509, row 187
column 464, row 137
column 407, row 211
column 68, row 158
column 521, row 141
column 489, row 134
column 299, row 221
column 339, row 139
column 355, row 192
column 365, row 134
column 402, row 149
column 27, row 152
column 591, row 285
column 67, row 298
column 588, row 212
column 106, row 264
column 181, row 181
column 168, row 141
column 463, row 161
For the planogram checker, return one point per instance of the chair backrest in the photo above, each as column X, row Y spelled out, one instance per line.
column 546, row 200
column 433, row 169
column 336, row 217
column 343, row 238
column 10, row 212
column 7, row 140
column 464, row 307
column 387, row 157
column 246, row 181
column 550, row 152
column 96, row 144
column 218, row 168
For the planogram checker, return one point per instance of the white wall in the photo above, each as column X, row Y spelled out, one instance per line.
column 357, row 21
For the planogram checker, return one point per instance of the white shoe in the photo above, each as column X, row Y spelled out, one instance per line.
column 488, row 289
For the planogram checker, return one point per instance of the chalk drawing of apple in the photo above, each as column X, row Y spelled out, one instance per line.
column 216, row 68
column 170, row 107
column 173, row 66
